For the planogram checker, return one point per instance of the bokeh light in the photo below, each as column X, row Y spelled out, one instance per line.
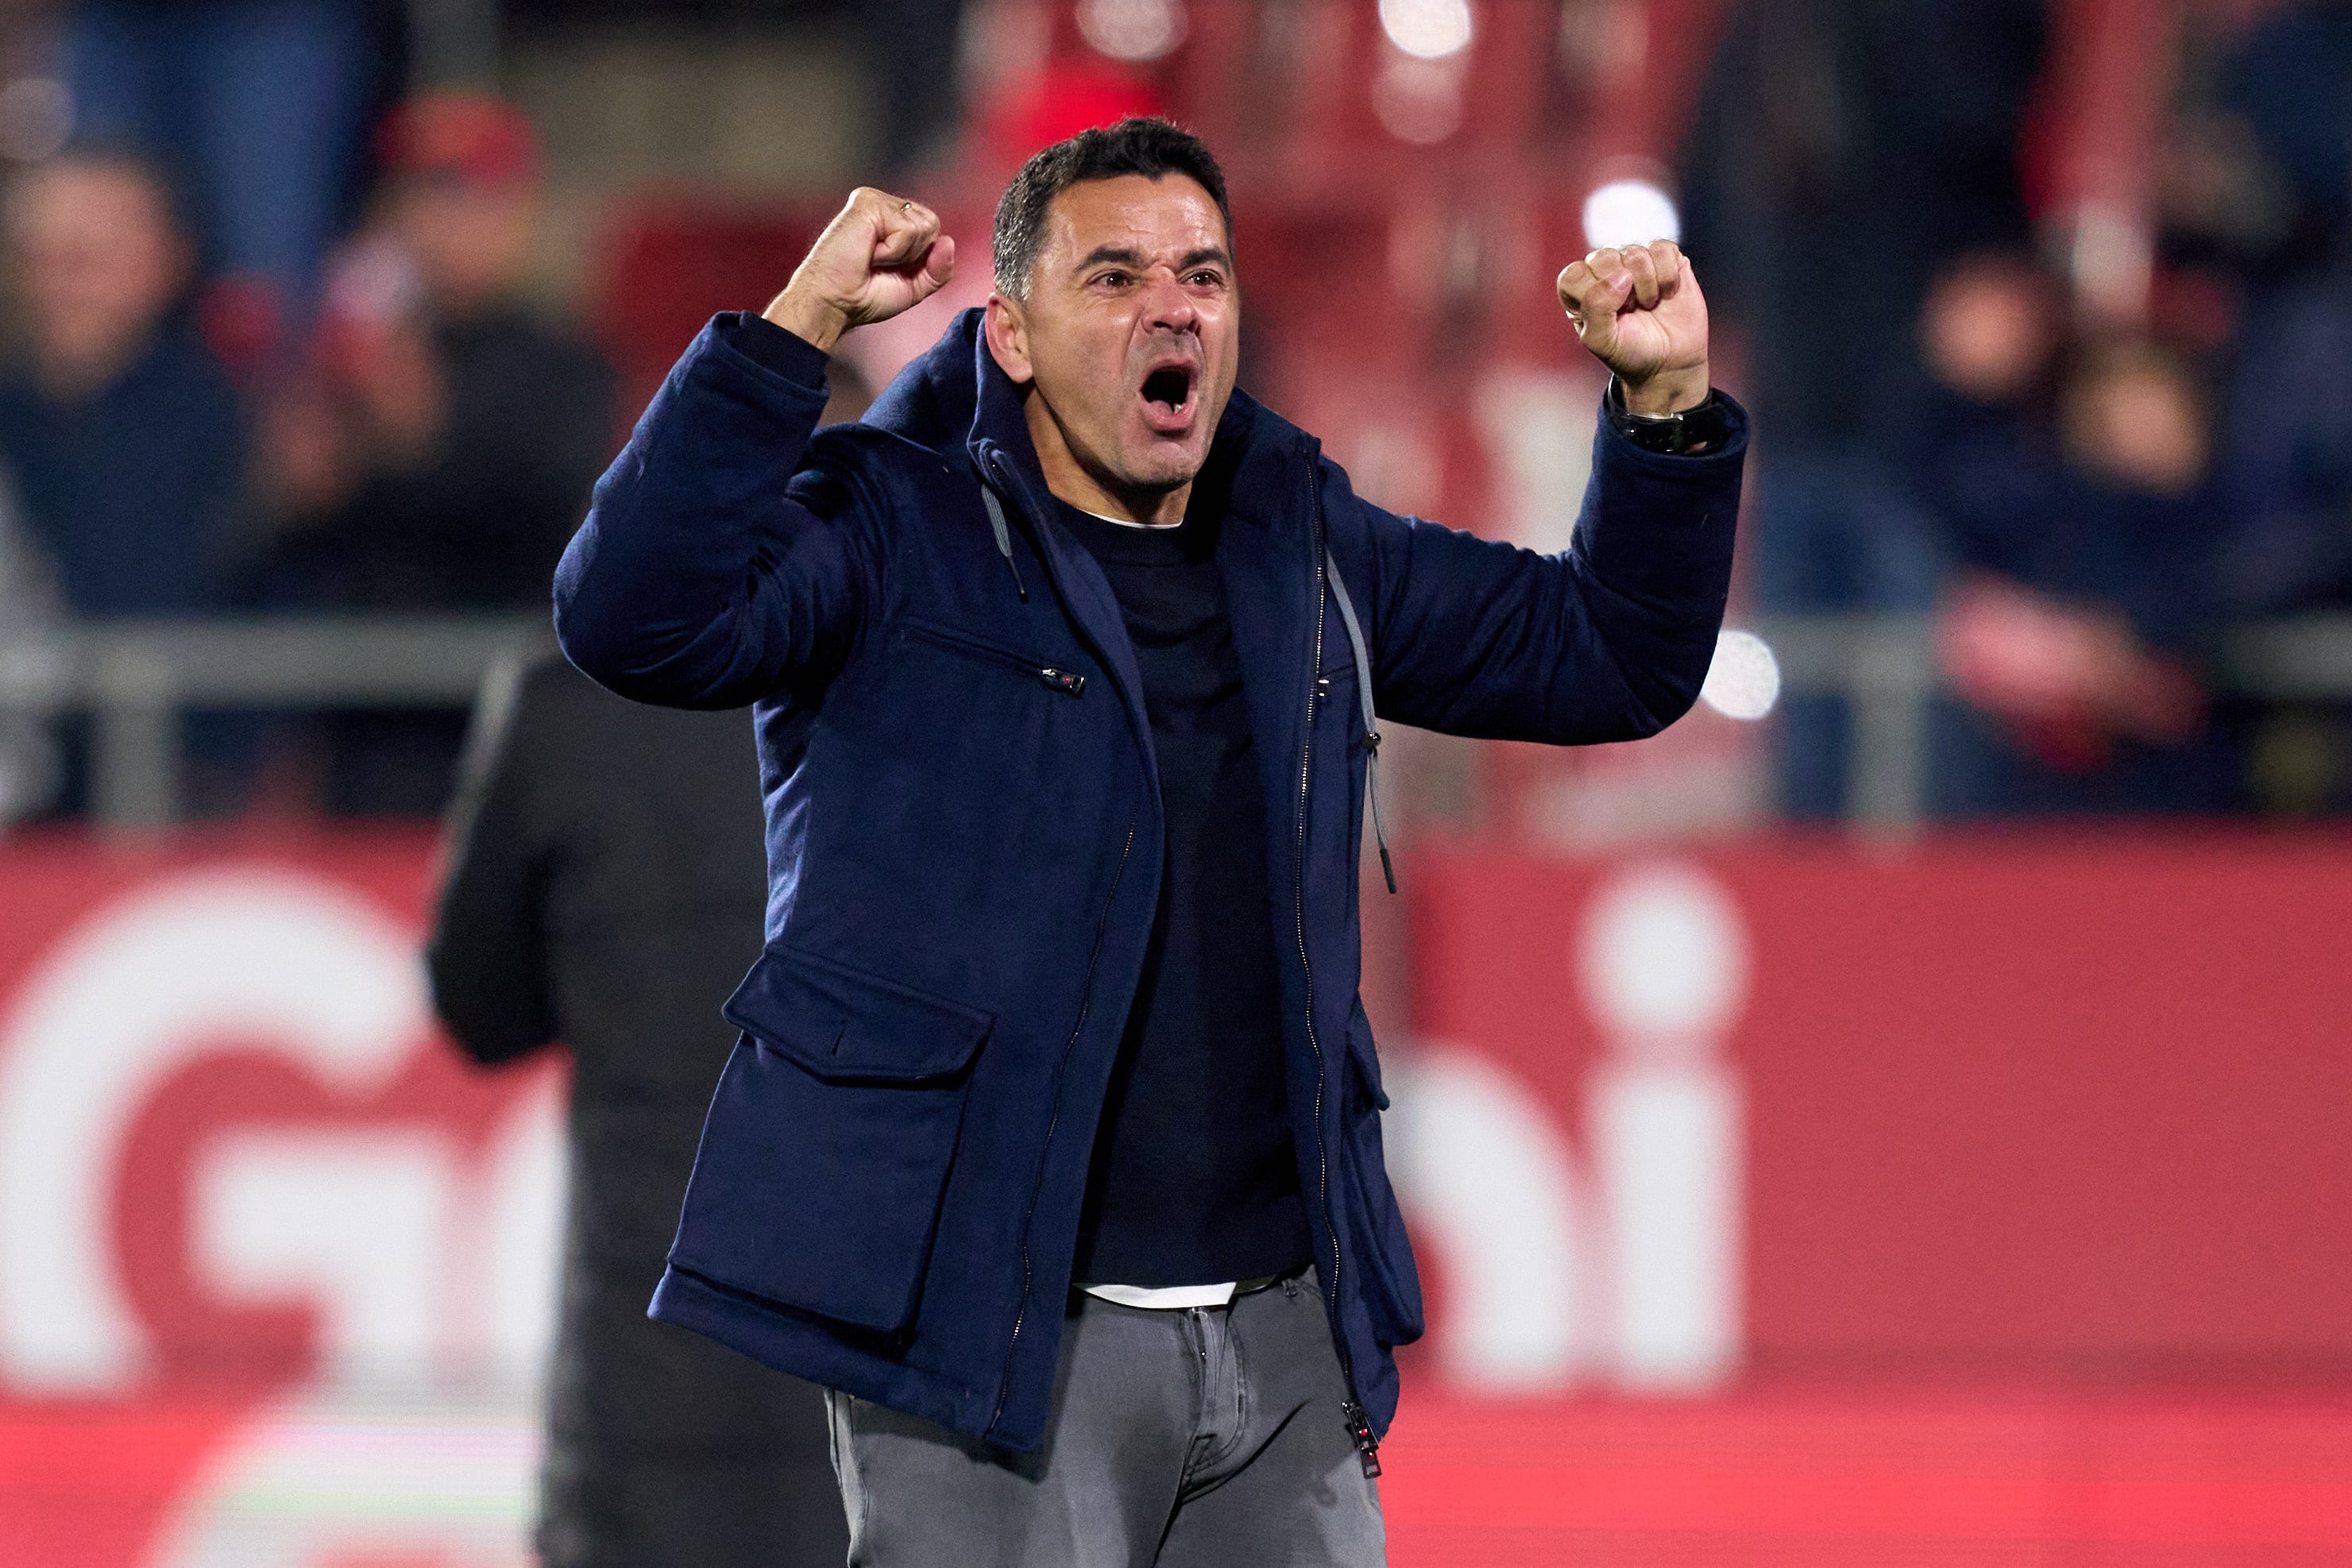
column 1427, row 30
column 1134, row 30
column 1418, row 101
column 1630, row 212
column 1744, row 681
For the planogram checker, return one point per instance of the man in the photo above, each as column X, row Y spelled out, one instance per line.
column 472, row 429
column 120, row 429
column 1056, row 670
column 603, row 884
column 122, row 447
column 478, row 427
column 1901, row 146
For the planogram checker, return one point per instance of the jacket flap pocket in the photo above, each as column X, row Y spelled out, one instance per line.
column 843, row 1026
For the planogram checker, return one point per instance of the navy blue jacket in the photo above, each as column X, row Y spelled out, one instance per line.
column 964, row 835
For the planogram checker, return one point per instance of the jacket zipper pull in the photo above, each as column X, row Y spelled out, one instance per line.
column 1367, row 1447
column 1004, row 536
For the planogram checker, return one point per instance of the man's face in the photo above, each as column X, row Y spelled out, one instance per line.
column 99, row 259
column 471, row 241
column 1131, row 332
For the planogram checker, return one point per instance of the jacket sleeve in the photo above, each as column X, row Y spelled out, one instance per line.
column 1609, row 640
column 487, row 956
column 715, row 566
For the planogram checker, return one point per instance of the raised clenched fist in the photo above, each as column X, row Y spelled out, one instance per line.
column 880, row 255
column 1638, row 307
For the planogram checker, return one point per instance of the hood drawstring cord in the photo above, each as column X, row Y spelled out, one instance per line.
column 1370, row 739
column 1003, row 537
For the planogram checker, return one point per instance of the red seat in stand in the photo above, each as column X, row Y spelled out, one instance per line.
column 668, row 266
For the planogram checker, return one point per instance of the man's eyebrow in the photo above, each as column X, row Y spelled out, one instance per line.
column 1118, row 253
column 1126, row 257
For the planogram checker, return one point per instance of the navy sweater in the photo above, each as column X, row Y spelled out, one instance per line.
column 1195, row 1181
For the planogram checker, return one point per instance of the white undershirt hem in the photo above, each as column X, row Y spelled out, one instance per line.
column 1130, row 522
column 1166, row 1298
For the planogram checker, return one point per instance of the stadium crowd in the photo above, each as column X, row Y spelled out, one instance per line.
column 286, row 362
column 2082, row 503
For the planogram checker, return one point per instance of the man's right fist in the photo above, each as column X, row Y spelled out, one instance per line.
column 880, row 255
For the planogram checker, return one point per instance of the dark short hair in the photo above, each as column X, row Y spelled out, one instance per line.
column 1152, row 148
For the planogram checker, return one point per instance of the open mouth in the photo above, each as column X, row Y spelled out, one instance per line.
column 1168, row 397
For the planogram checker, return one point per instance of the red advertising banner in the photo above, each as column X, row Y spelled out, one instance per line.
column 276, row 1271
column 1968, row 1204
column 2014, row 1107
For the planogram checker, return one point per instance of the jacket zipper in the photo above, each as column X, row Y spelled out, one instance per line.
column 1068, row 682
column 1351, row 1409
column 1086, row 1006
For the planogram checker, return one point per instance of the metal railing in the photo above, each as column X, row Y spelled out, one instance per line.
column 1885, row 667
column 136, row 679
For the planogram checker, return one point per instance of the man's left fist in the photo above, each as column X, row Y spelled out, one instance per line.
column 1639, row 309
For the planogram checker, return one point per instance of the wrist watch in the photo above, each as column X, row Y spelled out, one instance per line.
column 1687, row 433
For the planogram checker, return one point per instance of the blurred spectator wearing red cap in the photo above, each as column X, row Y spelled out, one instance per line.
column 442, row 454
column 257, row 105
column 461, row 173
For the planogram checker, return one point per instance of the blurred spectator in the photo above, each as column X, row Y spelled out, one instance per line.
column 1974, row 430
column 1841, row 153
column 259, row 102
column 471, row 430
column 444, row 453
column 605, row 890
column 2085, row 590
column 119, row 427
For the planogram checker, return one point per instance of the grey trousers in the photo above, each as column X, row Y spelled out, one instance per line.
column 1200, row 1437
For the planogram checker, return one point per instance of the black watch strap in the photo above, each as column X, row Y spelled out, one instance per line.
column 1688, row 434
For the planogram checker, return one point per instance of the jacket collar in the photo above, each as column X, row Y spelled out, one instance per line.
column 954, row 392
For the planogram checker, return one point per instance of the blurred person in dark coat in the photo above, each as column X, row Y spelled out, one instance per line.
column 120, row 428
column 605, row 889
column 1878, row 128
column 444, row 455
column 1973, row 429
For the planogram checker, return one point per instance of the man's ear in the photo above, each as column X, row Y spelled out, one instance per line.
column 1008, row 338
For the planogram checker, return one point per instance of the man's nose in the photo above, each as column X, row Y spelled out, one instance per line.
column 1167, row 307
